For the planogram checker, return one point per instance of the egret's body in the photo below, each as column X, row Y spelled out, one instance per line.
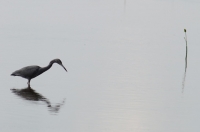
column 31, row 72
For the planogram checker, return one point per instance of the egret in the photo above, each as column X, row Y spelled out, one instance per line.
column 30, row 72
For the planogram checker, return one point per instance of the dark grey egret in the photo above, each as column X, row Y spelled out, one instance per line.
column 30, row 72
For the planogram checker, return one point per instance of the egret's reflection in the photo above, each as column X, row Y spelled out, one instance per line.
column 30, row 94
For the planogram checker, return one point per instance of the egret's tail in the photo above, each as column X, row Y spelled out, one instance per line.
column 13, row 74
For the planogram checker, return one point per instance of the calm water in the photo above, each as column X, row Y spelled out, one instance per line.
column 125, row 62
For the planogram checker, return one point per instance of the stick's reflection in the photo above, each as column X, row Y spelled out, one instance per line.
column 184, row 76
column 30, row 94
column 124, row 5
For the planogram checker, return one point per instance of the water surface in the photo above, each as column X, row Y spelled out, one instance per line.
column 125, row 62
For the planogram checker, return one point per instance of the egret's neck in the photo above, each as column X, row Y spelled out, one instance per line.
column 43, row 69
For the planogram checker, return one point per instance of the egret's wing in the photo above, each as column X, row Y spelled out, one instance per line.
column 26, row 72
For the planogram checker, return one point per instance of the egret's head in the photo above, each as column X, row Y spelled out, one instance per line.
column 58, row 61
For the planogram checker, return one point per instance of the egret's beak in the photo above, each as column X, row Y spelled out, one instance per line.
column 63, row 67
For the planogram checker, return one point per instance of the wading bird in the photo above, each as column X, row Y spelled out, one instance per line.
column 31, row 72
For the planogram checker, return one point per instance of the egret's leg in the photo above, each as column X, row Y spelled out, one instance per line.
column 28, row 83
